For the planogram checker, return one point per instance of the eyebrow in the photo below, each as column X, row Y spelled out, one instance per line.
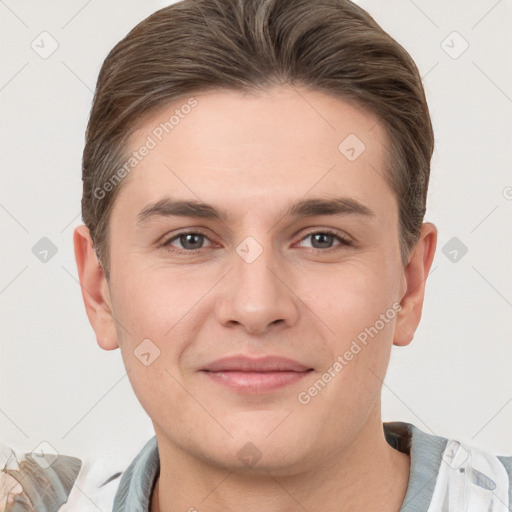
column 168, row 207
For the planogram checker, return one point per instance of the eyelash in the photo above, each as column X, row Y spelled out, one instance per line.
column 343, row 241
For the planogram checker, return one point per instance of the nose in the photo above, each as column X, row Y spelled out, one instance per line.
column 257, row 293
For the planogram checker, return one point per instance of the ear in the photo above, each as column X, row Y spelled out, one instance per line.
column 95, row 290
column 415, row 274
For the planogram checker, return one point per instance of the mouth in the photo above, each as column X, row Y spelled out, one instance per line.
column 254, row 376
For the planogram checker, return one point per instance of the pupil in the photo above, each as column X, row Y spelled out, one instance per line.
column 322, row 238
column 189, row 240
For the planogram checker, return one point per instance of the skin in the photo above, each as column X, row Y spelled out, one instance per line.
column 303, row 297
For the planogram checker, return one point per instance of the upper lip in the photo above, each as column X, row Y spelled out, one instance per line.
column 244, row 363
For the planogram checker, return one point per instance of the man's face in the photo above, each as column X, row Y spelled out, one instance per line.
column 258, row 282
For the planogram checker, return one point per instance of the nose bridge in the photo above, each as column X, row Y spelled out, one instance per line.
column 255, row 265
column 256, row 295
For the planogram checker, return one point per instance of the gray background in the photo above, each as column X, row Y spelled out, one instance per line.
column 58, row 386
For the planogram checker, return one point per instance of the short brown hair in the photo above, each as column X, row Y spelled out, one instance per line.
column 191, row 46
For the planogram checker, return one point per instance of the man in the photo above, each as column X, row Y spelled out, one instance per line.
column 255, row 179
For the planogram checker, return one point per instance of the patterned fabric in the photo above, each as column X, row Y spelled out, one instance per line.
column 48, row 483
column 470, row 480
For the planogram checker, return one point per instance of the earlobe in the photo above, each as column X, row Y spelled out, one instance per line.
column 95, row 292
column 415, row 273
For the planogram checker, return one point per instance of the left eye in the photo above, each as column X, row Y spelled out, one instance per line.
column 325, row 239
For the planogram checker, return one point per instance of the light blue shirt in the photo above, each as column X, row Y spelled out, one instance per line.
column 138, row 480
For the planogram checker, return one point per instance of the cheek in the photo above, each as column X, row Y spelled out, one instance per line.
column 148, row 325
column 357, row 308
column 151, row 331
column 153, row 304
column 351, row 298
column 156, row 321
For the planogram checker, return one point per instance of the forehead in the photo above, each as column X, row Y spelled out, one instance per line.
column 242, row 149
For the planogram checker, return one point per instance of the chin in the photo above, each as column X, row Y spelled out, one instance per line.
column 260, row 460
column 263, row 450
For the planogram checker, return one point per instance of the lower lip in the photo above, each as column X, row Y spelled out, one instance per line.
column 255, row 382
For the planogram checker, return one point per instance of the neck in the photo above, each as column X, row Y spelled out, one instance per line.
column 367, row 473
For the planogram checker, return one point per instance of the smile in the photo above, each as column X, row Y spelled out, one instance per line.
column 249, row 375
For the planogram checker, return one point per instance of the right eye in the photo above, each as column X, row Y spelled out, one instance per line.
column 190, row 241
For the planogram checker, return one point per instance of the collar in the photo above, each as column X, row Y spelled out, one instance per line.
column 138, row 480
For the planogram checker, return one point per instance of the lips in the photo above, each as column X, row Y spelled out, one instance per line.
column 255, row 375
column 262, row 364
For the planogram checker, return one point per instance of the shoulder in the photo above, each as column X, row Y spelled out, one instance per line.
column 446, row 472
column 138, row 480
column 50, row 482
